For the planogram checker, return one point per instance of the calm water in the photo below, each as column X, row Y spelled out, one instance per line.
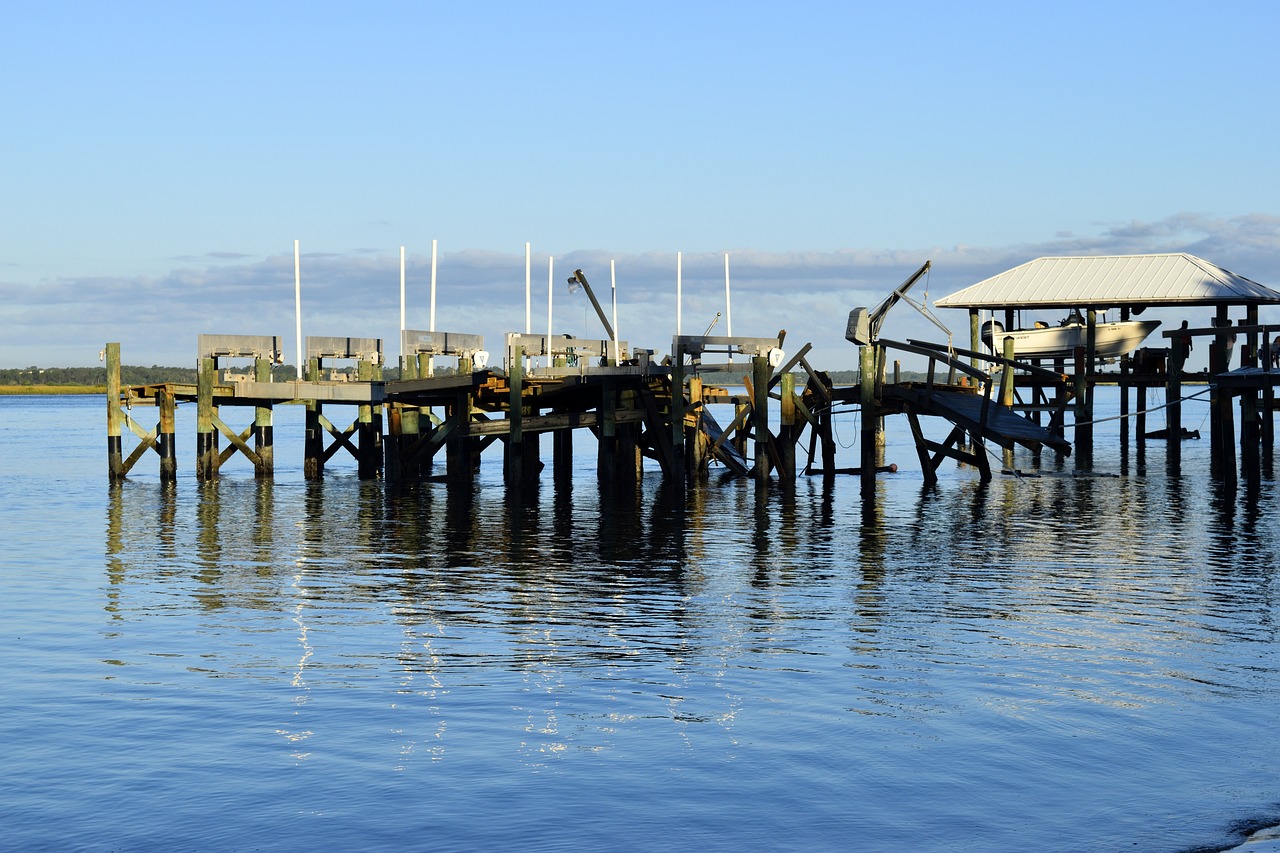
column 1061, row 663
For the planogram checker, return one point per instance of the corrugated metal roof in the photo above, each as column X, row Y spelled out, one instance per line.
column 1112, row 280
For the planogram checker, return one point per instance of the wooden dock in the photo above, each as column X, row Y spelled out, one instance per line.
column 638, row 409
column 399, row 428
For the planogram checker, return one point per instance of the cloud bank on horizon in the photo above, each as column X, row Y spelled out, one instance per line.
column 161, row 159
column 157, row 318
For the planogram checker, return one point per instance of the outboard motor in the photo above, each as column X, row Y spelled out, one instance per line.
column 990, row 330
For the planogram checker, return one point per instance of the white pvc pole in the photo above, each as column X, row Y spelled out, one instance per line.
column 551, row 274
column 297, row 303
column 728, row 310
column 528, row 305
column 679, row 286
column 613, row 283
column 432, row 327
column 728, row 305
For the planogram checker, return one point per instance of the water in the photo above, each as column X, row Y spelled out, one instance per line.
column 1058, row 663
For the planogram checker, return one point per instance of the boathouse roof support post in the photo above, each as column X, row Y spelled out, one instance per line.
column 975, row 336
column 1221, row 441
column 1091, row 353
column 1006, row 375
column 1173, row 393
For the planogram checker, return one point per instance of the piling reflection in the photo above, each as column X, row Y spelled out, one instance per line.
column 448, row 586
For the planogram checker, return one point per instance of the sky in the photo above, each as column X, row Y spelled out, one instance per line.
column 158, row 161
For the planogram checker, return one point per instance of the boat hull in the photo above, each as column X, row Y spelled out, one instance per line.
column 1112, row 340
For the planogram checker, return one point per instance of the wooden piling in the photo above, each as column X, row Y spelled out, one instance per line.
column 562, row 457
column 513, row 451
column 607, row 445
column 206, row 445
column 867, row 368
column 313, row 446
column 263, row 438
column 368, row 465
column 761, row 372
column 1083, row 415
column 1173, row 401
column 1006, row 391
column 787, row 428
column 115, row 418
column 681, row 464
column 166, row 440
column 699, row 442
column 629, row 458
column 460, row 461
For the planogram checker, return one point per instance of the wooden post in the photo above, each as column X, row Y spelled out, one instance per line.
column 866, row 371
column 975, row 336
column 562, row 456
column 1268, row 396
column 697, row 454
column 678, row 410
column 167, row 444
column 1084, row 426
column 606, row 461
column 459, row 464
column 530, row 449
column 370, row 432
column 1222, row 441
column 1250, row 427
column 629, row 459
column 206, row 446
column 1249, row 438
column 1006, row 391
column 761, row 371
column 1173, row 400
column 787, row 428
column 262, row 430
column 115, row 418
column 313, row 448
column 513, row 451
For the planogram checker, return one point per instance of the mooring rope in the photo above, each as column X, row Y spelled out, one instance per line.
column 1141, row 412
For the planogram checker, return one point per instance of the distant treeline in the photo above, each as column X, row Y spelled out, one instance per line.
column 131, row 374
column 837, row 377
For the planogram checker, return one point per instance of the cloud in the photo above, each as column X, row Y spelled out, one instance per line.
column 157, row 319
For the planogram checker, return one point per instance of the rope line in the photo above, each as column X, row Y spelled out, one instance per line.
column 1142, row 412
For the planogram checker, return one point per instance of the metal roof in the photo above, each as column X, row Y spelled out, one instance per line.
column 1112, row 280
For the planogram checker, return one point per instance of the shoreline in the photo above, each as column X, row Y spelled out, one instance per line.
column 50, row 390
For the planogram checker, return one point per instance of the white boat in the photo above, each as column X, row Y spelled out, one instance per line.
column 1111, row 340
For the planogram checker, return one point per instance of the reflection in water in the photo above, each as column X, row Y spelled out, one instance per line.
column 460, row 629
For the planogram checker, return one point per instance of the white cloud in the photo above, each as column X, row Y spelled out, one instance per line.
column 64, row 322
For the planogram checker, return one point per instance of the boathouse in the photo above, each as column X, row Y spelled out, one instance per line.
column 1132, row 284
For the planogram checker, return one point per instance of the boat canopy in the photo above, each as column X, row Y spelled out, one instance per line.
column 1134, row 281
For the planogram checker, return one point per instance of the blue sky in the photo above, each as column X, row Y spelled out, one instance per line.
column 159, row 160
